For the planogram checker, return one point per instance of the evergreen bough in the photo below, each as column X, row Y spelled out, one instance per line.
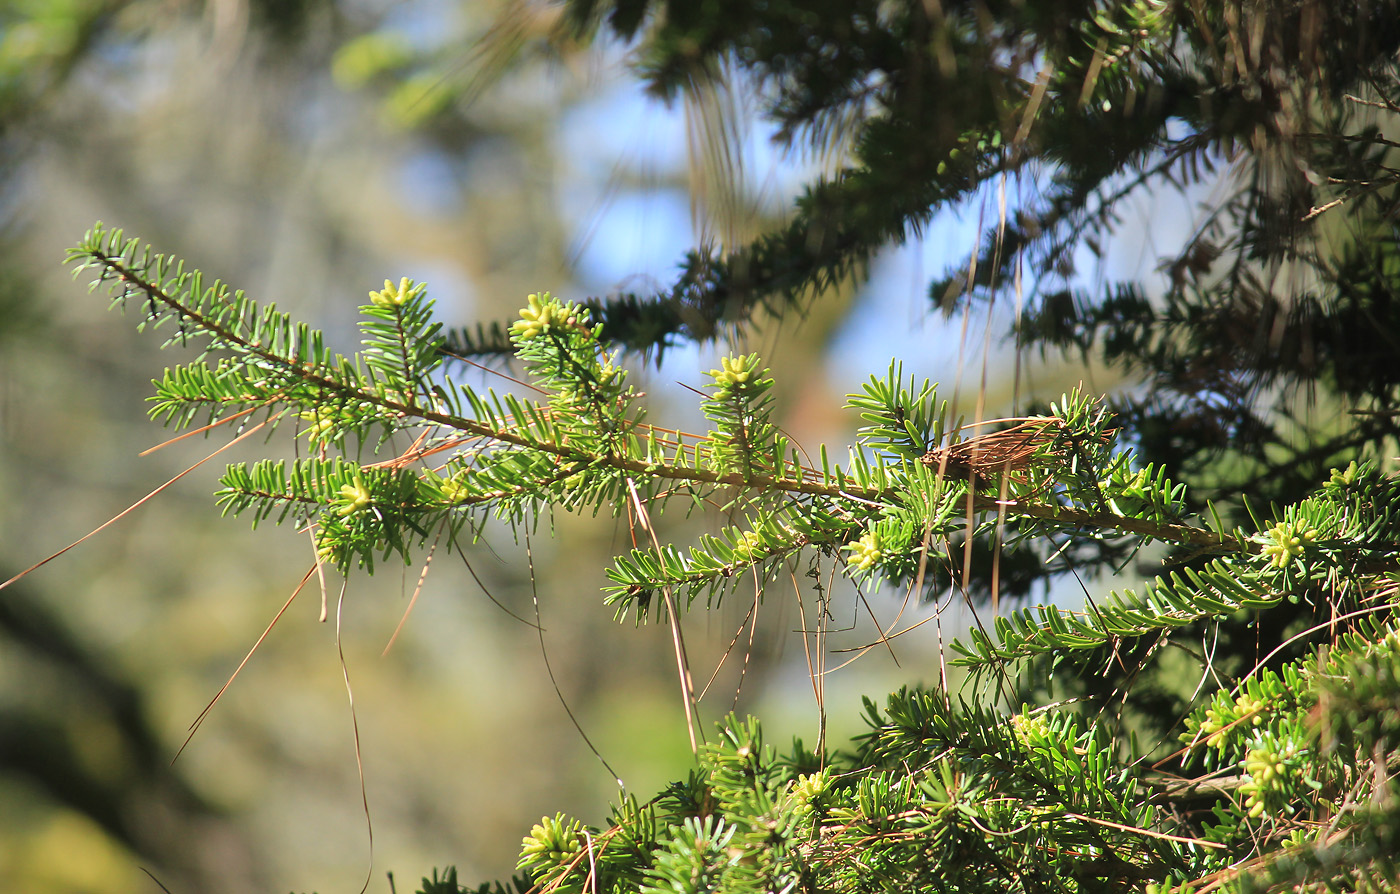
column 977, row 790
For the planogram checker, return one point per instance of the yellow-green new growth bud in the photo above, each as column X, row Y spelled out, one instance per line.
column 1247, row 704
column 319, row 425
column 810, row 786
column 354, row 497
column 551, row 840
column 1029, row 729
column 865, row 552
column 809, row 790
column 1341, row 477
column 1265, row 769
column 608, row 370
column 1288, row 542
column 1213, row 728
column 1264, row 765
column 734, row 370
column 1261, row 768
column 749, row 541
column 539, row 314
column 396, row 295
column 454, row 491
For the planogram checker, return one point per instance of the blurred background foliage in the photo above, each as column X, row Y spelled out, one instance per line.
column 305, row 151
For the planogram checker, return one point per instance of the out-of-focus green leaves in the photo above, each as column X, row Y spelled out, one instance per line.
column 41, row 41
column 364, row 58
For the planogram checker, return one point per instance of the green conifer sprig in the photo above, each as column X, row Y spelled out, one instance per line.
column 586, row 445
column 938, row 795
column 901, row 420
column 1328, row 548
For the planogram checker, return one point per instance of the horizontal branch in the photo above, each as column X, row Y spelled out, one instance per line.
column 808, row 482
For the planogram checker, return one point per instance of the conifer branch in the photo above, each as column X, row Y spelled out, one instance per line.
column 209, row 314
column 931, row 779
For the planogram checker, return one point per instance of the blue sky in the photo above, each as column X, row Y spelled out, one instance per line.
column 625, row 199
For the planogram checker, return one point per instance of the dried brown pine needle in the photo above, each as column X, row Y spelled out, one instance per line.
column 1006, row 452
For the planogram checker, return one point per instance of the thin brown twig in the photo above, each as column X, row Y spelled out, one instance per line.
column 207, row 428
column 728, row 650
column 692, row 710
column 753, row 630
column 1135, row 830
column 199, row 721
column 813, row 676
column 355, row 729
column 549, row 669
column 130, row 509
column 413, row 600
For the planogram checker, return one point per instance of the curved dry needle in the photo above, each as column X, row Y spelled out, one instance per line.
column 729, row 650
column 154, row 879
column 132, row 508
column 413, row 600
column 888, row 636
column 355, row 727
column 549, row 669
column 204, row 429
column 753, row 629
column 460, row 358
column 847, row 663
column 1003, row 677
column 453, row 544
column 1316, row 628
column 417, row 452
column 199, row 721
column 879, row 628
column 818, row 683
column 916, row 587
column 320, row 569
column 692, row 710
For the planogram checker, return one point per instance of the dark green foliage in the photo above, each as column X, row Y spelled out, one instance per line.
column 931, row 799
column 448, row 884
column 1279, row 301
column 1108, row 100
column 1263, row 362
column 975, row 793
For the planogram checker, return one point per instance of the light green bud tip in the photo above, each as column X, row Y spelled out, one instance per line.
column 735, row 371
column 540, row 314
column 397, row 295
column 354, row 497
column 1029, row 728
column 1284, row 542
column 454, row 491
column 808, row 789
column 865, row 552
column 318, row 425
column 552, row 839
column 1214, row 728
column 1343, row 477
column 1264, row 768
column 749, row 543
